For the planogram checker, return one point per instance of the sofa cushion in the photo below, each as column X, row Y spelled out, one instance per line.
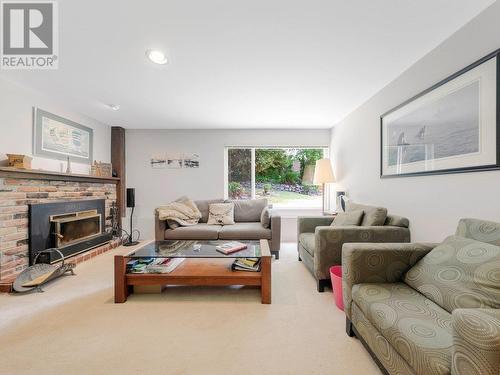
column 248, row 210
column 203, row 207
column 201, row 231
column 397, row 221
column 381, row 348
column 417, row 328
column 479, row 230
column 307, row 240
column 373, row 215
column 459, row 273
column 245, row 231
column 348, row 218
column 221, row 213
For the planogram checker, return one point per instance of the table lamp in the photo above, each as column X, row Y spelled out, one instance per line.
column 323, row 174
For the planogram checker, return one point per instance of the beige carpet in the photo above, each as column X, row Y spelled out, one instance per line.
column 75, row 328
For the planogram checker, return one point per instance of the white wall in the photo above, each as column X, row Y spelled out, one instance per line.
column 433, row 203
column 158, row 186
column 16, row 126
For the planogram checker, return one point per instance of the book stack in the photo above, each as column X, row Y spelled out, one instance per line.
column 153, row 265
column 246, row 264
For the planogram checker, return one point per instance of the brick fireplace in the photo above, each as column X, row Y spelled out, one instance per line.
column 20, row 189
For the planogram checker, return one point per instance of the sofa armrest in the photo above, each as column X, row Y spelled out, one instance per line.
column 329, row 241
column 476, row 342
column 275, row 232
column 160, row 228
column 377, row 263
column 307, row 224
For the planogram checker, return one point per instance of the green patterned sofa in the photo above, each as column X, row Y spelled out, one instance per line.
column 428, row 309
column 319, row 244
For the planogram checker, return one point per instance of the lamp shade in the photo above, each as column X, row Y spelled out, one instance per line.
column 323, row 173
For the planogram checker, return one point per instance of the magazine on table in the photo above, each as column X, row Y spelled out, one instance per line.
column 231, row 247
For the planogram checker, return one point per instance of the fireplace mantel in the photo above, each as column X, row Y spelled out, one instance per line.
column 35, row 174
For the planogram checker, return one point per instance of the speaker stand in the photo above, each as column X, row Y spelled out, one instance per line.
column 130, row 242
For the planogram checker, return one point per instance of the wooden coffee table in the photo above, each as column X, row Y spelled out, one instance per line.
column 205, row 266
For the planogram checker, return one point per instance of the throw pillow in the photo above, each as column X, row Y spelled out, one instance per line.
column 397, row 221
column 348, row 218
column 459, row 273
column 248, row 210
column 221, row 214
column 374, row 216
column 203, row 207
column 479, row 230
column 265, row 218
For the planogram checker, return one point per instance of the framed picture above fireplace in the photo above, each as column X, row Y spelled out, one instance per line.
column 452, row 127
column 56, row 137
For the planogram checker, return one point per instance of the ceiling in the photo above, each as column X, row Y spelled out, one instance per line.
column 238, row 64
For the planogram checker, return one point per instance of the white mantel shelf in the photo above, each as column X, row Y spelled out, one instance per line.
column 36, row 174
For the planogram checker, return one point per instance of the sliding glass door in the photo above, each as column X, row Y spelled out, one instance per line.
column 283, row 175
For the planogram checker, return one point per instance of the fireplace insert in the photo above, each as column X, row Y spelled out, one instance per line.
column 73, row 227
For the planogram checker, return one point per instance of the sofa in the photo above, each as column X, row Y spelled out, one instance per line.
column 319, row 243
column 248, row 225
column 428, row 309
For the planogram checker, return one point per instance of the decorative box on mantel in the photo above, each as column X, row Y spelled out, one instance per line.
column 19, row 188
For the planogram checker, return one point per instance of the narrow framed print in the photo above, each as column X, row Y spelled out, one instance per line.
column 452, row 127
column 58, row 138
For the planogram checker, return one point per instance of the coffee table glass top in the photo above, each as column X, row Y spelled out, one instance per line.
column 193, row 249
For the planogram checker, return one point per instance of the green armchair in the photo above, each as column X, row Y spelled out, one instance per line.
column 319, row 244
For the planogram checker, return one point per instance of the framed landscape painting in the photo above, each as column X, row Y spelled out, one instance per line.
column 452, row 127
column 59, row 138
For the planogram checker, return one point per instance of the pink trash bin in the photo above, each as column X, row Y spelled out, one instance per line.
column 336, row 275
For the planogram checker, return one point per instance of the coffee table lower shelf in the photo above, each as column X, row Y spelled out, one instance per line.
column 196, row 271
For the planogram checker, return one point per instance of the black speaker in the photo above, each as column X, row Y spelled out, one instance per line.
column 130, row 197
column 131, row 203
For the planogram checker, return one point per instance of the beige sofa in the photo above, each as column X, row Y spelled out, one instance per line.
column 420, row 315
column 248, row 225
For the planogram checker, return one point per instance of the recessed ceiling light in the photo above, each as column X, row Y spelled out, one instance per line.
column 156, row 56
column 114, row 107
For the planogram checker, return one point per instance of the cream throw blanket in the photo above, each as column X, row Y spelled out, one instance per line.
column 183, row 212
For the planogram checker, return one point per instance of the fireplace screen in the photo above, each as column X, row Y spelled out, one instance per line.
column 75, row 227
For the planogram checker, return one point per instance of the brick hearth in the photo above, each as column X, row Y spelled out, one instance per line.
column 16, row 194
